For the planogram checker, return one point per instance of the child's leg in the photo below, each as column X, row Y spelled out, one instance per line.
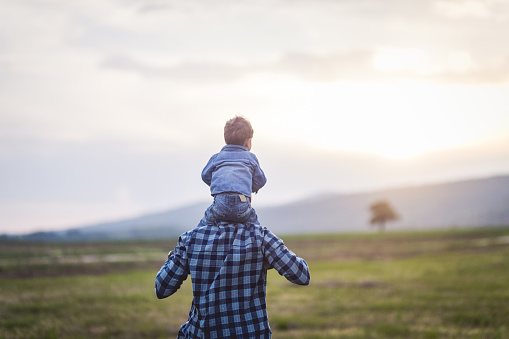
column 244, row 212
column 230, row 207
column 208, row 217
column 253, row 217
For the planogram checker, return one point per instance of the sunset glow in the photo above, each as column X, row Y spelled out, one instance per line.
column 397, row 120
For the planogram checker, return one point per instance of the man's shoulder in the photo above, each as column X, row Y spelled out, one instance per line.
column 199, row 230
column 213, row 228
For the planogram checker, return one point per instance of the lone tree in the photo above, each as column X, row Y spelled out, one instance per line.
column 381, row 213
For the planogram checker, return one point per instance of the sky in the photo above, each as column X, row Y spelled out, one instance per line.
column 110, row 109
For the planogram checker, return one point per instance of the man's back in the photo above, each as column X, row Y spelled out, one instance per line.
column 228, row 265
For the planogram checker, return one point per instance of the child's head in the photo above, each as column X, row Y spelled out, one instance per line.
column 238, row 131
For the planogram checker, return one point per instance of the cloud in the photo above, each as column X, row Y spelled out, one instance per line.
column 464, row 8
column 352, row 65
column 148, row 7
column 187, row 71
column 360, row 65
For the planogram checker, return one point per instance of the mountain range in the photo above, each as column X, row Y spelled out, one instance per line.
column 468, row 203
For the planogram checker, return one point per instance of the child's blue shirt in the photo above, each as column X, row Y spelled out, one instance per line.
column 234, row 169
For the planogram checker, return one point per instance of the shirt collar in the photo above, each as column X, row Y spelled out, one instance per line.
column 234, row 147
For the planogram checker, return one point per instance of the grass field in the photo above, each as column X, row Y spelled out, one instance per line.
column 451, row 284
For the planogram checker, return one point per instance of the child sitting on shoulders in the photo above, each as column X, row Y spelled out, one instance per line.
column 233, row 174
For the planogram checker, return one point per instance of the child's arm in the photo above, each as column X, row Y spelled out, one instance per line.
column 206, row 174
column 259, row 179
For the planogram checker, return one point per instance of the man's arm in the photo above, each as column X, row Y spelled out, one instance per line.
column 287, row 264
column 173, row 273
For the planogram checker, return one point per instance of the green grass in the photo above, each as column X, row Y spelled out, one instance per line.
column 451, row 284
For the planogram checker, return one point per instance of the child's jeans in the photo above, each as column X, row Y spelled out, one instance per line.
column 230, row 207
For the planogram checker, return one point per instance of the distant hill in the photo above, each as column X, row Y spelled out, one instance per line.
column 470, row 203
column 165, row 224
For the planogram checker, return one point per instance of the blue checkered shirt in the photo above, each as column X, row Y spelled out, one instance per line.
column 228, row 264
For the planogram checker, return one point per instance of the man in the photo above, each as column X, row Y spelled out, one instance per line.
column 228, row 264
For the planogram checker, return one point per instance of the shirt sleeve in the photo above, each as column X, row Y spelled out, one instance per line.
column 174, row 271
column 259, row 179
column 206, row 174
column 287, row 264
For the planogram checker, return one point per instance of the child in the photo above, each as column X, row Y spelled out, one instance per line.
column 233, row 174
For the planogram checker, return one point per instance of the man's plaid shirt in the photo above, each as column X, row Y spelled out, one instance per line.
column 228, row 264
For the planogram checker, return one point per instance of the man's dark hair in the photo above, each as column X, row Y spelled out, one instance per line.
column 237, row 130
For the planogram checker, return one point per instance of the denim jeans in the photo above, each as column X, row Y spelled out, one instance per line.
column 229, row 207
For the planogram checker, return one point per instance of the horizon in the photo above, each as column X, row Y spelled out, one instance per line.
column 289, row 202
column 113, row 108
